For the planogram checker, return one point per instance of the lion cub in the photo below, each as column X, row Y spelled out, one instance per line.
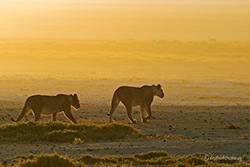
column 42, row 104
column 134, row 96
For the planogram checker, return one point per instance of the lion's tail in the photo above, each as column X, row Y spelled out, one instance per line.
column 114, row 104
column 12, row 119
column 25, row 109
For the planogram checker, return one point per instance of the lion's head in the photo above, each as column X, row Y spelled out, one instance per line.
column 157, row 91
column 75, row 101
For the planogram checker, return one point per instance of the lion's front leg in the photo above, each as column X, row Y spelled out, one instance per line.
column 148, row 110
column 69, row 115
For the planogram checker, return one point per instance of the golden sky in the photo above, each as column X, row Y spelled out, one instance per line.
column 119, row 19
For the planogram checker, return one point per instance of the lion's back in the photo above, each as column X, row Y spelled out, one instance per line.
column 44, row 100
column 134, row 93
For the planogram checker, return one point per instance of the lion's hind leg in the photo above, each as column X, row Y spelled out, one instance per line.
column 37, row 115
column 143, row 115
column 129, row 113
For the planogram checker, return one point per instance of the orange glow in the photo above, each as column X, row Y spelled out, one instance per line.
column 142, row 20
column 113, row 39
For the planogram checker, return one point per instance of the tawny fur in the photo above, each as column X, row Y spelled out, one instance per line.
column 134, row 96
column 42, row 104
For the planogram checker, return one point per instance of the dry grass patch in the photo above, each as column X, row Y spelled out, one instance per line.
column 50, row 160
column 153, row 158
column 61, row 132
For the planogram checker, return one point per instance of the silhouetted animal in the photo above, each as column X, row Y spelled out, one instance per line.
column 134, row 96
column 42, row 104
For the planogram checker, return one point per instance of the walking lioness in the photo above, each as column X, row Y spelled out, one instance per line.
column 134, row 96
column 41, row 104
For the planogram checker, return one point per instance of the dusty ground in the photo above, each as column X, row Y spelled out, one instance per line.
column 193, row 117
column 220, row 130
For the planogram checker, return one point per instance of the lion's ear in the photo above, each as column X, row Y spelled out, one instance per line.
column 159, row 86
column 71, row 95
column 75, row 95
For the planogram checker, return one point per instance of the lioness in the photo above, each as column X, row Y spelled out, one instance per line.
column 42, row 104
column 134, row 96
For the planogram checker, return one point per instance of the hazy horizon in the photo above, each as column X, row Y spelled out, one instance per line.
column 153, row 39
